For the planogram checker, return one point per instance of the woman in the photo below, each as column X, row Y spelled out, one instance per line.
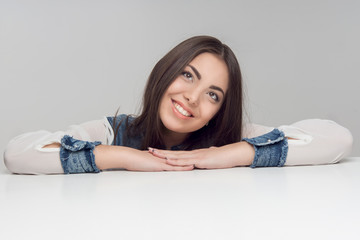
column 191, row 118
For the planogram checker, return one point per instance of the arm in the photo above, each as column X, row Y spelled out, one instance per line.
column 39, row 152
column 118, row 157
column 267, row 150
column 308, row 142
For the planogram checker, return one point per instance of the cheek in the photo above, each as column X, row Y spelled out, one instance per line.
column 209, row 110
column 176, row 86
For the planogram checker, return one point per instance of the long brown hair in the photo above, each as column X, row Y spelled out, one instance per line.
column 226, row 125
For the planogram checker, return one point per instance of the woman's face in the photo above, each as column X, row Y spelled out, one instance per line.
column 195, row 96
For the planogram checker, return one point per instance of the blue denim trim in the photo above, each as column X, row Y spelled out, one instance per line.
column 270, row 149
column 77, row 156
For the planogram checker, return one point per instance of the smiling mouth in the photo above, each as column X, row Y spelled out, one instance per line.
column 181, row 110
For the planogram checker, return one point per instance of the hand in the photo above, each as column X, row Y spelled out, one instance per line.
column 144, row 161
column 111, row 157
column 208, row 158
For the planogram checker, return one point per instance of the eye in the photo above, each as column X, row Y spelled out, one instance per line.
column 214, row 96
column 187, row 75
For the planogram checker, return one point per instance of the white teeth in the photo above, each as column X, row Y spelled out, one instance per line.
column 181, row 110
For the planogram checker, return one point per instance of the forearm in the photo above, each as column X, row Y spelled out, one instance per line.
column 110, row 157
column 240, row 153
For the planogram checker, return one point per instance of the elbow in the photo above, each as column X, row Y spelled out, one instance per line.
column 343, row 143
column 16, row 154
column 14, row 158
column 347, row 141
column 11, row 159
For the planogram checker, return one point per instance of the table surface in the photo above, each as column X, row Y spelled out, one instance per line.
column 303, row 202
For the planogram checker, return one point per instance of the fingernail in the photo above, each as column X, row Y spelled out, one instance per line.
column 151, row 149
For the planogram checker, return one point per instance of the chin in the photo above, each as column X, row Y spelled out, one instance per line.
column 176, row 129
column 173, row 127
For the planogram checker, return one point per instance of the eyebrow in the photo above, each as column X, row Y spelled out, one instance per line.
column 195, row 71
column 217, row 88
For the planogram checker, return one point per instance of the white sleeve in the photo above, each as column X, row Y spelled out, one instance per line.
column 25, row 154
column 311, row 141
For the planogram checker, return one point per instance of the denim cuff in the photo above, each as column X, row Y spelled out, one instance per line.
column 77, row 156
column 270, row 149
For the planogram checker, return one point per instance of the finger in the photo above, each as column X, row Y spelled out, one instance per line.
column 172, row 154
column 181, row 162
column 158, row 154
column 178, row 168
column 162, row 160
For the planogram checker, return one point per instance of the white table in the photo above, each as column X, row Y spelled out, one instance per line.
column 308, row 202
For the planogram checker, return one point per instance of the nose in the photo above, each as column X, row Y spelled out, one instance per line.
column 192, row 96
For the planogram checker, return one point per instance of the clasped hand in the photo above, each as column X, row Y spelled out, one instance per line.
column 206, row 158
column 227, row 156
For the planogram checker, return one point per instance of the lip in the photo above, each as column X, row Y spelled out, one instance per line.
column 178, row 113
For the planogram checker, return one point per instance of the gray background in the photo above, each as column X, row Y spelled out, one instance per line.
column 67, row 62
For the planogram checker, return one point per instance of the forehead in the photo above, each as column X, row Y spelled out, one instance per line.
column 213, row 70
